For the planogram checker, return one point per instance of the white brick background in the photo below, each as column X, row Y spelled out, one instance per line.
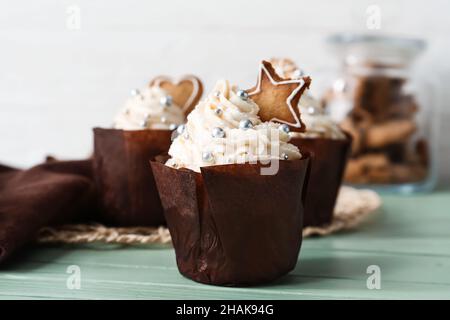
column 56, row 83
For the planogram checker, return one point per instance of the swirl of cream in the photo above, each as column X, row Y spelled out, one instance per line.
column 318, row 123
column 150, row 108
column 214, row 133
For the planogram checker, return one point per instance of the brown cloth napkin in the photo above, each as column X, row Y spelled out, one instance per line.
column 51, row 193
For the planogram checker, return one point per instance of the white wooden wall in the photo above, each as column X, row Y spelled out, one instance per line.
column 57, row 82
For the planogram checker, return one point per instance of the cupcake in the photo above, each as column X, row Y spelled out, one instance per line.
column 141, row 130
column 329, row 147
column 232, row 189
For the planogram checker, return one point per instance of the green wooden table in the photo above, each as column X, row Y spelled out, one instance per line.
column 409, row 240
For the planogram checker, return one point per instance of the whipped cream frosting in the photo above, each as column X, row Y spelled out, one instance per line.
column 150, row 108
column 318, row 123
column 225, row 128
column 286, row 68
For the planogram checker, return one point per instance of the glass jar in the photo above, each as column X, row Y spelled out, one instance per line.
column 389, row 111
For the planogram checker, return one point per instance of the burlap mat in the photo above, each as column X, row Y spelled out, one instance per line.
column 352, row 207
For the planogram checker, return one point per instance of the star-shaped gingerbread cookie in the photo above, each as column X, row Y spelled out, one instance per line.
column 278, row 98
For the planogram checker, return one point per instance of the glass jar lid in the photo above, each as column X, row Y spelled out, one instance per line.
column 356, row 49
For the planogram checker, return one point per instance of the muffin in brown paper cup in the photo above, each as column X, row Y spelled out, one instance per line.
column 142, row 130
column 328, row 160
column 126, row 186
column 229, row 224
column 327, row 144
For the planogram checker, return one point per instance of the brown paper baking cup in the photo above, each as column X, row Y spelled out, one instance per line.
column 125, row 181
column 232, row 226
column 328, row 160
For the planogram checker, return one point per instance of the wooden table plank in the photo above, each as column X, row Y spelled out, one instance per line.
column 409, row 240
column 49, row 280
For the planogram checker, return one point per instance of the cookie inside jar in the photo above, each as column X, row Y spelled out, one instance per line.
column 378, row 101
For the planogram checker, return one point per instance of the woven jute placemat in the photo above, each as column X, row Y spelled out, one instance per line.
column 353, row 206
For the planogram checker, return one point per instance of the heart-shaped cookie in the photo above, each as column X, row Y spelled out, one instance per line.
column 185, row 92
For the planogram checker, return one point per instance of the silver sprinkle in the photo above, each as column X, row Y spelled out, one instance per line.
column 340, row 85
column 298, row 73
column 218, row 111
column 242, row 94
column 217, row 94
column 245, row 124
column 311, row 110
column 166, row 101
column 218, row 132
column 207, row 156
column 144, row 123
column 135, row 92
column 284, row 156
column 181, row 128
column 172, row 126
column 285, row 128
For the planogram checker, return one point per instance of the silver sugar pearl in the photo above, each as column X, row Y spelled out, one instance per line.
column 218, row 111
column 285, row 128
column 311, row 110
column 207, row 156
column 218, row 132
column 163, row 119
column 181, row 128
column 245, row 124
column 298, row 73
column 135, row 92
column 340, row 85
column 172, row 126
column 217, row 94
column 166, row 101
column 284, row 156
column 242, row 94
column 143, row 123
